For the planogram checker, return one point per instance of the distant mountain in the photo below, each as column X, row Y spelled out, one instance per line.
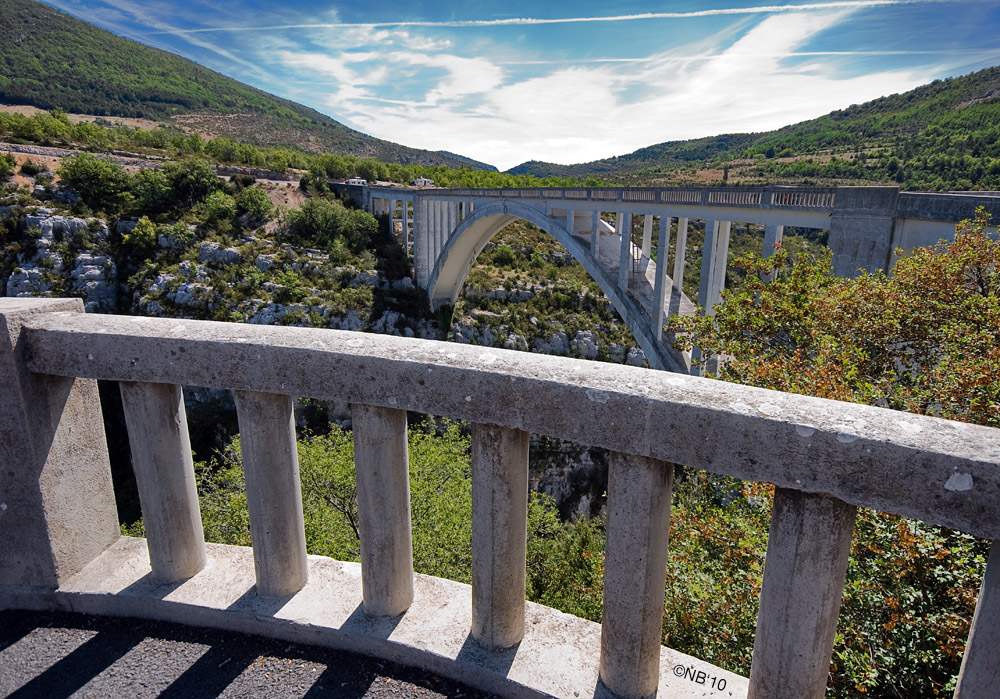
column 49, row 59
column 944, row 135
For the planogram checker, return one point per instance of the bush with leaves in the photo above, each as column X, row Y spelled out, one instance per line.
column 103, row 185
column 254, row 204
column 925, row 340
column 440, row 495
column 7, row 165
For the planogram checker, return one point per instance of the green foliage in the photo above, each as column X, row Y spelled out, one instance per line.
column 142, row 237
column 327, row 223
column 924, row 340
column 7, row 165
column 440, row 494
column 191, row 180
column 30, row 168
column 220, row 207
column 254, row 204
column 103, row 185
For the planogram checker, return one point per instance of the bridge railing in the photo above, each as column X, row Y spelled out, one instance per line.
column 825, row 459
column 804, row 198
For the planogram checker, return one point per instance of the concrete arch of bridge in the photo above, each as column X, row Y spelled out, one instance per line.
column 473, row 233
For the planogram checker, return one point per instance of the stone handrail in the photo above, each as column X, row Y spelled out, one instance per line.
column 826, row 458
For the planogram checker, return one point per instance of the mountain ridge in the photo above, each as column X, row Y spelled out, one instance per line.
column 50, row 59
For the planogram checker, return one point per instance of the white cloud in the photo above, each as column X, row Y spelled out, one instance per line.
column 585, row 112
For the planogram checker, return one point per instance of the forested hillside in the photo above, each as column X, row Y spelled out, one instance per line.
column 941, row 136
column 49, row 59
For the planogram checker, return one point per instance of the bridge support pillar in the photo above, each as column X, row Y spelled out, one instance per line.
column 978, row 677
column 624, row 258
column 274, row 496
column 383, row 480
column 660, row 284
column 680, row 251
column 635, row 570
column 407, row 247
column 715, row 255
column 861, row 229
column 647, row 235
column 499, row 534
column 595, row 234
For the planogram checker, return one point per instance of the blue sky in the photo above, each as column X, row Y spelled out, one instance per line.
column 566, row 82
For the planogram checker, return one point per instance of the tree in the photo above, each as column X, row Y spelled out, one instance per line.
column 441, row 503
column 254, row 204
column 7, row 164
column 925, row 340
column 102, row 185
column 191, row 180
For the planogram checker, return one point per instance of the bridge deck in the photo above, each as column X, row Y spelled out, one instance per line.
column 642, row 281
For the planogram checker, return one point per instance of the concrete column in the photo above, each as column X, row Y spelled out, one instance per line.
column 499, row 534
column 421, row 243
column 707, row 258
column 647, row 234
column 713, row 264
column 861, row 229
column 660, row 284
column 772, row 238
column 680, row 250
column 406, row 228
column 164, row 474
column 55, row 479
column 625, row 257
column 635, row 565
column 569, row 220
column 807, row 551
column 595, row 234
column 978, row 677
column 437, row 223
column 381, row 466
column 274, row 496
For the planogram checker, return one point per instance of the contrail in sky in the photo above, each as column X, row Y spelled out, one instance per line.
column 760, row 9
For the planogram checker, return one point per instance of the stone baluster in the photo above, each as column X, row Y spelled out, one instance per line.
column 499, row 534
column 274, row 496
column 164, row 473
column 383, row 480
column 635, row 565
column 807, row 551
column 978, row 677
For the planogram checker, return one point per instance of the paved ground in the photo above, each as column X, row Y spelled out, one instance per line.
column 54, row 655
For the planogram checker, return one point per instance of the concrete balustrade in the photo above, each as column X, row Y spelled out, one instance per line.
column 635, row 565
column 383, row 485
column 164, row 473
column 499, row 534
column 57, row 507
column 807, row 551
column 826, row 458
column 978, row 677
column 274, row 496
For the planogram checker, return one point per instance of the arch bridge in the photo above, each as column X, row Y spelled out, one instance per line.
column 446, row 229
